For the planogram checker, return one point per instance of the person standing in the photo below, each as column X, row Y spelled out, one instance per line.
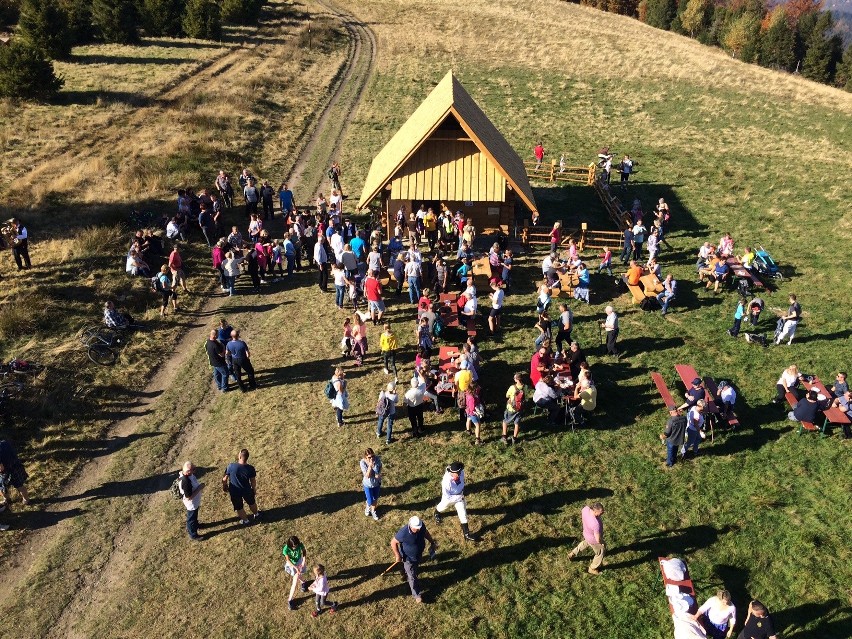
column 718, row 616
column 190, row 492
column 611, row 327
column 538, row 152
column 20, row 244
column 320, row 589
column 216, row 357
column 285, row 196
column 412, row 272
column 321, row 259
column 386, row 410
column 555, row 237
column 414, row 400
column 340, row 402
column 739, row 313
column 639, row 231
column 13, row 474
column 592, row 536
column 694, row 426
column 371, row 481
column 566, row 323
column 388, row 345
column 240, row 483
column 252, row 197
column 514, row 406
column 758, row 623
column 295, row 560
column 176, row 268
column 237, row 353
column 790, row 320
column 452, row 494
column 163, row 286
column 373, row 291
column 673, row 436
column 407, row 547
column 498, row 295
column 626, row 170
column 668, row 294
column 267, row 193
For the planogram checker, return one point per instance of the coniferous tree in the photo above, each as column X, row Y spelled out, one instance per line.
column 824, row 50
column 843, row 75
column 777, row 45
column 116, row 20
column 80, row 24
column 25, row 73
column 203, row 20
column 660, row 13
column 44, row 25
column 163, row 17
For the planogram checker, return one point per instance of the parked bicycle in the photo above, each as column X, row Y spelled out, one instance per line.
column 102, row 343
column 20, row 367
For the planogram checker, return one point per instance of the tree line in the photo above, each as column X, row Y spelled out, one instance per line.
column 48, row 29
column 794, row 36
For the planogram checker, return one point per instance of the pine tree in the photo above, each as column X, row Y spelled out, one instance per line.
column 777, row 45
column 823, row 51
column 116, row 20
column 80, row 20
column 660, row 13
column 163, row 17
column 843, row 75
column 203, row 20
column 44, row 25
column 694, row 17
column 25, row 73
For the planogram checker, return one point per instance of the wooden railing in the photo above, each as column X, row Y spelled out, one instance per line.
column 584, row 238
column 552, row 172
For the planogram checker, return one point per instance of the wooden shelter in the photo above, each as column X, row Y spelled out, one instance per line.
column 448, row 152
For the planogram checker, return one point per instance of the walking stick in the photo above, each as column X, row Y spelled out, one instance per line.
column 389, row 568
column 600, row 333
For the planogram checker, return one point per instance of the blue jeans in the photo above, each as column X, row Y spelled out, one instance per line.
column 413, row 290
column 340, row 292
column 372, row 495
column 230, row 283
column 540, row 339
column 665, row 301
column 192, row 523
column 735, row 329
column 338, row 413
column 389, row 418
column 291, row 264
column 671, row 453
column 692, row 440
column 220, row 374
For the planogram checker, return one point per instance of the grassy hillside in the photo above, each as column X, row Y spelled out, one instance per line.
column 762, row 512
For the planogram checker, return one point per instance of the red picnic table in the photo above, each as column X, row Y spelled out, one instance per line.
column 832, row 414
column 660, row 383
column 446, row 355
column 685, row 585
column 687, row 374
column 742, row 272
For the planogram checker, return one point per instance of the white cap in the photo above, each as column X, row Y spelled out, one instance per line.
column 414, row 523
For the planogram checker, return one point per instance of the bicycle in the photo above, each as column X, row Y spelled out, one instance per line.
column 101, row 344
column 8, row 390
column 18, row 366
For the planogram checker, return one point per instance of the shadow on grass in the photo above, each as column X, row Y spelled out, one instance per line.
column 827, row 620
column 70, row 450
column 93, row 58
column 816, row 337
column 681, row 541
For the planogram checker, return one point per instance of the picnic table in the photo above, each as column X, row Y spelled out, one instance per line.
column 687, row 374
column 685, row 585
column 653, row 285
column 569, row 280
column 668, row 400
column 449, row 313
column 742, row 272
column 713, row 389
column 832, row 414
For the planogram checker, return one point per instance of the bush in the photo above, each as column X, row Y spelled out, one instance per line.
column 163, row 17
column 26, row 73
column 9, row 11
column 80, row 20
column 241, row 11
column 203, row 20
column 116, row 20
column 44, row 25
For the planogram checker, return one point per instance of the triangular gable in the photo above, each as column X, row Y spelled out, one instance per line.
column 449, row 96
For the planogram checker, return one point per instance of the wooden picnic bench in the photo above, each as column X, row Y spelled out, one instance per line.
column 687, row 374
column 832, row 414
column 803, row 426
column 742, row 272
column 637, row 293
column 713, row 389
column 685, row 585
column 668, row 400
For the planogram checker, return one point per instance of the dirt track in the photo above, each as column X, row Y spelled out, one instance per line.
column 323, row 141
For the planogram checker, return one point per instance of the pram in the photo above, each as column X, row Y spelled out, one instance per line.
column 765, row 265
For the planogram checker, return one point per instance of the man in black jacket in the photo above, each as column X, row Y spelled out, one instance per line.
column 216, row 357
column 806, row 410
column 673, row 435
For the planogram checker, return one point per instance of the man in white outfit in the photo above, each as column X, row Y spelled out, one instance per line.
column 452, row 494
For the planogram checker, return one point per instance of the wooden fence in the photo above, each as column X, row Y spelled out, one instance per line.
column 584, row 238
column 552, row 172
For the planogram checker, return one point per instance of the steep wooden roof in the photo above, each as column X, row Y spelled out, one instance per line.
column 448, row 98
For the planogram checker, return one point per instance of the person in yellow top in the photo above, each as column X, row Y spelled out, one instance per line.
column 388, row 345
column 747, row 258
column 462, row 380
column 468, row 232
column 430, row 223
column 585, row 398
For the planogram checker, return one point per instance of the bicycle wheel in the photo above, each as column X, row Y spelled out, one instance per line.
column 101, row 354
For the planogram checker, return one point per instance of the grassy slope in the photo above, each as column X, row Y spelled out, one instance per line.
column 764, row 513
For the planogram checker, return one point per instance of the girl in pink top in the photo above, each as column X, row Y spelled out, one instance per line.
column 320, row 589
column 606, row 261
column 346, row 342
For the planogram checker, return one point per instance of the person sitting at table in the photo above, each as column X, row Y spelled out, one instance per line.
column 581, row 291
column 721, row 272
column 747, row 258
column 606, row 261
column 633, row 276
column 576, row 356
column 424, row 303
column 544, row 329
column 704, row 254
column 726, row 399
column 668, row 293
column 463, row 272
column 584, row 400
column 467, row 306
column 543, row 302
column 788, row 382
column 807, row 409
column 653, row 268
column 693, row 394
column 726, row 246
column 546, row 397
column 540, row 364
column 844, row 403
column 552, row 281
column 584, row 372
column 550, row 261
column 840, row 386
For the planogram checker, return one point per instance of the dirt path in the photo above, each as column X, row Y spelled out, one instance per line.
column 331, row 121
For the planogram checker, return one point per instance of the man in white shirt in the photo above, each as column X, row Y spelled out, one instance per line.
column 452, row 494
column 549, row 262
column 694, row 426
column 336, row 243
column 190, row 492
column 611, row 327
column 497, row 296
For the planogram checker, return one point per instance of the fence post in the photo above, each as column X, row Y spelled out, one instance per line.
column 525, row 234
column 583, row 228
column 552, row 169
column 591, row 178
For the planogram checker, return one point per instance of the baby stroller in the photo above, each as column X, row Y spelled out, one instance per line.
column 765, row 265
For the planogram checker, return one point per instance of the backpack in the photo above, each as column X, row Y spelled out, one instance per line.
column 157, row 284
column 647, row 304
column 331, row 174
column 437, row 327
column 479, row 410
column 518, row 401
column 175, row 488
column 330, row 390
column 382, row 406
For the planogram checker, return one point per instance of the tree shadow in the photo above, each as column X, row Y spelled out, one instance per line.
column 93, row 58
column 816, row 337
column 830, row 619
column 67, row 450
column 681, row 541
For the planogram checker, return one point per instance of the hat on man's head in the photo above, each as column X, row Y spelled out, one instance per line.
column 696, row 381
column 414, row 523
column 455, row 467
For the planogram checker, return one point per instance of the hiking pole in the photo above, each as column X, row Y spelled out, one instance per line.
column 388, row 569
column 600, row 333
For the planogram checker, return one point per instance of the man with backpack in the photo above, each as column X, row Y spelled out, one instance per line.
column 673, row 436
column 514, row 406
column 190, row 489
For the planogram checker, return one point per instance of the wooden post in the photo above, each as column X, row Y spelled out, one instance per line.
column 591, row 179
column 583, row 228
column 525, row 233
column 552, row 169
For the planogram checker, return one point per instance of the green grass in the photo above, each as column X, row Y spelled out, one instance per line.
column 763, row 512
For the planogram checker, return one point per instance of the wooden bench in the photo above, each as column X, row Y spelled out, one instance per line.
column 832, row 414
column 685, row 585
column 637, row 293
column 803, row 426
column 713, row 389
column 687, row 374
column 663, row 390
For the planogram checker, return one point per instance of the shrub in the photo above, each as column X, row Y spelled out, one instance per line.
column 203, row 20
column 116, row 20
column 80, row 26
column 44, row 25
column 241, row 11
column 163, row 17
column 660, row 13
column 26, row 73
